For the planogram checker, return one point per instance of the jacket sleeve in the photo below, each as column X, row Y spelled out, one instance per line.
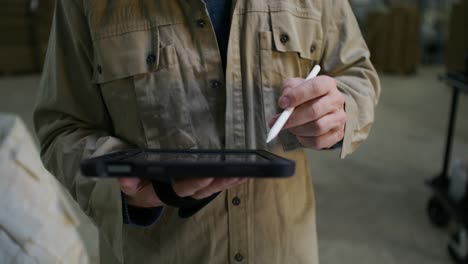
column 347, row 59
column 71, row 120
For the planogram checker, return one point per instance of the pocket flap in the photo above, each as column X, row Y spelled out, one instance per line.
column 126, row 55
column 297, row 34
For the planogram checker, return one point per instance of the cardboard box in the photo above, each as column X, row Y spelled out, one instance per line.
column 411, row 53
column 465, row 8
column 26, row 33
column 17, row 59
column 396, row 38
column 393, row 39
column 457, row 46
column 376, row 35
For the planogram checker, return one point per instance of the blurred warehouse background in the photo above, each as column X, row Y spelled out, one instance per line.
column 374, row 206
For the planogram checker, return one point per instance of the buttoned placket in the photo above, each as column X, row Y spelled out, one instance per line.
column 211, row 55
column 237, row 199
column 235, row 134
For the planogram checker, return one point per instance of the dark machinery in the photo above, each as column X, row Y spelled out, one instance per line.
column 442, row 209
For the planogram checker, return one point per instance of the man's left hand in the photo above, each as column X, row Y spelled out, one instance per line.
column 319, row 118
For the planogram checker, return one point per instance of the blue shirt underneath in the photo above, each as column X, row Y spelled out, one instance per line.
column 220, row 14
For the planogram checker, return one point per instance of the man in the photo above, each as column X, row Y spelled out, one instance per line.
column 170, row 74
column 40, row 222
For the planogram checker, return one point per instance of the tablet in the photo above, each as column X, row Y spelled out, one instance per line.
column 168, row 165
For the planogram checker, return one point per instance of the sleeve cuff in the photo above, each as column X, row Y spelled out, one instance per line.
column 351, row 118
column 140, row 217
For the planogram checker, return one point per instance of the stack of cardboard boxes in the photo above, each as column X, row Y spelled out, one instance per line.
column 24, row 27
column 457, row 46
column 393, row 37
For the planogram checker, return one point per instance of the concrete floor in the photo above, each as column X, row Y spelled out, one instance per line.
column 371, row 206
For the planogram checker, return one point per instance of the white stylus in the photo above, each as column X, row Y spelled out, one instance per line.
column 274, row 131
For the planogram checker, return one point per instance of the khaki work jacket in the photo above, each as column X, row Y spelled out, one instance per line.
column 126, row 73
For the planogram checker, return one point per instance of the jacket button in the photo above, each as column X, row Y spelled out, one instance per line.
column 284, row 38
column 313, row 48
column 201, row 23
column 215, row 84
column 238, row 257
column 236, row 201
column 151, row 59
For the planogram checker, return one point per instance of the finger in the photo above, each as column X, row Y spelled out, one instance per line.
column 189, row 187
column 321, row 126
column 323, row 142
column 316, row 109
column 146, row 197
column 242, row 181
column 291, row 83
column 234, row 183
column 217, row 185
column 308, row 90
column 310, row 111
column 130, row 186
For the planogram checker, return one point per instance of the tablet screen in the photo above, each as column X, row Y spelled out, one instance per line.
column 197, row 157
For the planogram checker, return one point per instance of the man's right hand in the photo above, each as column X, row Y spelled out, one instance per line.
column 140, row 192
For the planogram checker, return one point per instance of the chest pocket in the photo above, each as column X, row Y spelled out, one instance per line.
column 290, row 50
column 126, row 55
column 142, row 88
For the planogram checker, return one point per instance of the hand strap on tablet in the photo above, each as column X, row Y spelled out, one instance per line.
column 187, row 206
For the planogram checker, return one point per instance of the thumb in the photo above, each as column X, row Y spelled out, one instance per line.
column 130, row 186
